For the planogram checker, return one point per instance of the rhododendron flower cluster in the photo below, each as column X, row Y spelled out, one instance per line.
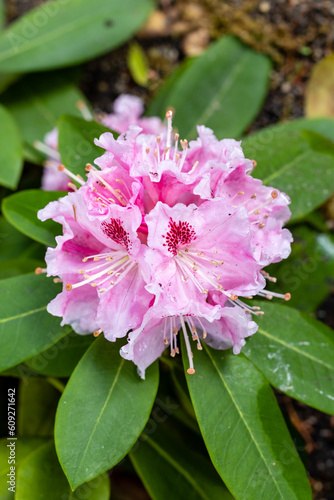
column 166, row 237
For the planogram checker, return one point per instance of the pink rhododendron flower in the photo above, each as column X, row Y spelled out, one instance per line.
column 128, row 112
column 98, row 258
column 165, row 237
column 52, row 179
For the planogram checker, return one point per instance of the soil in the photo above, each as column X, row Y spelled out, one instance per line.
column 295, row 34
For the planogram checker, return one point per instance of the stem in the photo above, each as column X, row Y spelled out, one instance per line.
column 56, row 383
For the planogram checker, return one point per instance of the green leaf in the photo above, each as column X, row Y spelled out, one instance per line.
column 26, row 328
column 288, row 160
column 14, row 244
column 38, row 101
column 16, row 267
column 6, row 79
column 63, row 33
column 296, row 354
column 11, row 151
column 37, row 407
column 243, row 428
column 61, row 359
column 76, row 142
column 318, row 142
column 137, row 64
column 24, row 446
column 159, row 104
column 108, row 406
column 223, row 89
column 2, row 14
column 19, row 371
column 40, row 476
column 18, row 254
column 20, row 209
column 170, row 468
column 308, row 273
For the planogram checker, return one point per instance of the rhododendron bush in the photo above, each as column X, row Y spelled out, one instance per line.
column 153, row 295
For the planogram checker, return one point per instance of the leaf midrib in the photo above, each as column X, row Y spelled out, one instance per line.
column 23, row 315
column 286, row 167
column 209, row 110
column 300, row 352
column 244, row 421
column 176, row 466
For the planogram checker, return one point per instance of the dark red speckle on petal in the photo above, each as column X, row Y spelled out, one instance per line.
column 115, row 231
column 179, row 234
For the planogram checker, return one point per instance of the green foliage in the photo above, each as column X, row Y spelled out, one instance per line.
column 38, row 101
column 308, row 273
column 40, row 476
column 24, row 447
column 170, row 468
column 76, row 142
column 223, row 89
column 287, row 158
column 20, row 209
column 137, row 64
column 110, row 405
column 62, row 33
column 38, row 402
column 243, row 428
column 11, row 151
column 60, row 359
column 26, row 328
column 296, row 355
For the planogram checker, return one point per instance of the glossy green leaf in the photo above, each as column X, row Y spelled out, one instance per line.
column 61, row 33
column 14, row 244
column 19, row 371
column 40, row 477
column 37, row 407
column 26, row 328
column 108, row 405
column 223, row 89
column 18, row 254
column 61, row 358
column 308, row 273
column 23, row 447
column 159, row 104
column 243, row 428
column 20, row 209
column 318, row 142
column 291, row 161
column 38, row 101
column 170, row 468
column 11, row 151
column 16, row 267
column 76, row 143
column 296, row 354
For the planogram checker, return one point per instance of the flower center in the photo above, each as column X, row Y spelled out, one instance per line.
column 115, row 231
column 105, row 270
column 179, row 234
